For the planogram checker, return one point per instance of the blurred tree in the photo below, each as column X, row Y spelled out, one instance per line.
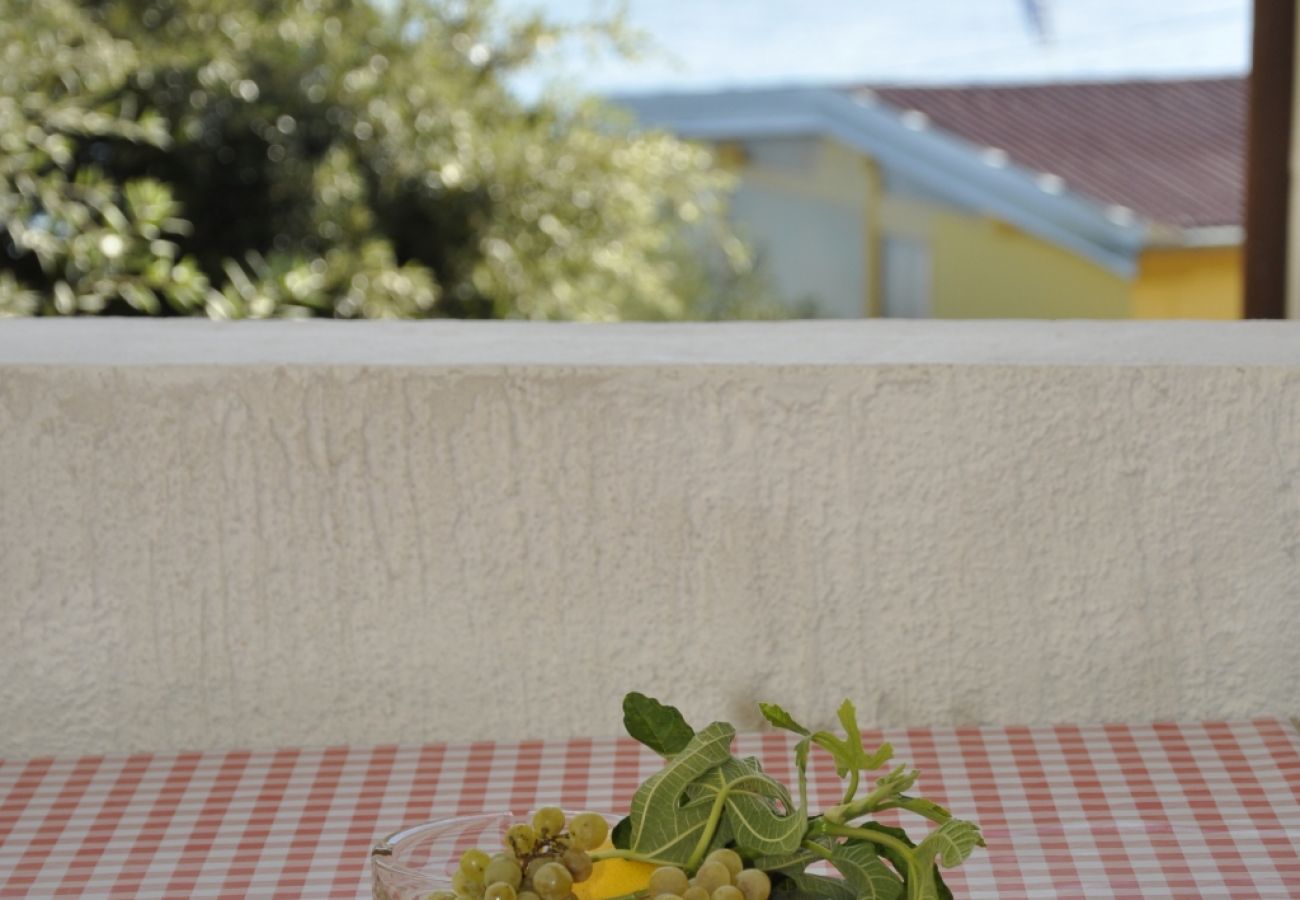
column 241, row 158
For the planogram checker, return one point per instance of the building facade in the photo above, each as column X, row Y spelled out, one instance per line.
column 1050, row 201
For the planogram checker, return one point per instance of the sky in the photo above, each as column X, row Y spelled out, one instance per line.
column 705, row 44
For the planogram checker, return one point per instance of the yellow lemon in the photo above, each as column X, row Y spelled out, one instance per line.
column 614, row 878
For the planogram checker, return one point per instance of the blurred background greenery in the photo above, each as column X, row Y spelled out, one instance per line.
column 346, row 158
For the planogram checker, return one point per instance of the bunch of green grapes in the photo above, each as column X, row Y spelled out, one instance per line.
column 540, row 861
column 722, row 876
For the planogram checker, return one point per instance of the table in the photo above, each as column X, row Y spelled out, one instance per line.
column 1158, row 810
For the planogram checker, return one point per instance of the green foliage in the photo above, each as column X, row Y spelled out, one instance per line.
column 864, row 871
column 849, row 754
column 240, row 158
column 667, row 824
column 759, row 813
column 660, row 727
column 705, row 798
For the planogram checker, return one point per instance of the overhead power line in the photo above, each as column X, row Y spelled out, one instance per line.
column 1036, row 18
column 1066, row 43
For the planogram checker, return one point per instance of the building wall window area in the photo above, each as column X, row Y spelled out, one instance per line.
column 803, row 204
column 905, row 278
column 988, row 201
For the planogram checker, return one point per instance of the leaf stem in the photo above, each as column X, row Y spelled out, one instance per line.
column 615, row 853
column 876, row 800
column 932, row 811
column 710, row 827
column 913, row 874
column 876, row 837
column 852, row 788
column 816, row 849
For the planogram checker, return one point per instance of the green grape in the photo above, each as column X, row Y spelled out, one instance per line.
column 727, row 892
column 466, row 884
column 548, row 821
column 588, row 830
column 729, row 858
column 668, row 880
column 577, row 862
column 695, row 892
column 665, row 896
column 521, row 839
column 473, row 862
column 713, row 875
column 501, row 891
column 505, row 869
column 533, row 865
column 553, row 881
column 442, row 895
column 754, row 884
column 528, row 895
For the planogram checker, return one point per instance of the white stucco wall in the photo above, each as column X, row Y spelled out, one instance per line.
column 293, row 533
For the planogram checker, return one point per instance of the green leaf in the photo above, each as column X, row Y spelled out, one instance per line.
column 781, row 719
column 844, row 757
column 722, row 837
column 887, row 794
column 786, row 863
column 925, row 885
column 757, row 807
column 900, row 862
column 951, row 842
column 801, row 763
column 801, row 754
column 865, row 872
column 806, row 886
column 666, row 823
column 848, row 716
column 621, row 836
column 941, row 891
column 848, row 752
column 660, row 727
column 891, row 786
column 919, row 805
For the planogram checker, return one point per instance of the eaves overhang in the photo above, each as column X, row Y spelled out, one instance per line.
column 948, row 167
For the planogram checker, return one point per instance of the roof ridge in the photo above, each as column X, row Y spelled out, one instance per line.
column 1170, row 150
column 991, row 86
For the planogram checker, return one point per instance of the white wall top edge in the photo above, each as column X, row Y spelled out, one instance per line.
column 446, row 343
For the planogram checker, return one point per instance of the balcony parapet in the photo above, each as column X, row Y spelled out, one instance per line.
column 302, row 533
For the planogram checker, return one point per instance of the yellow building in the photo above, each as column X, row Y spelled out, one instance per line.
column 1100, row 200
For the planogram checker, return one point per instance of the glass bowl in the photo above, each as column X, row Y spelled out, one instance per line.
column 412, row 863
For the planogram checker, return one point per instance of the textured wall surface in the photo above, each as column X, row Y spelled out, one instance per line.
column 260, row 553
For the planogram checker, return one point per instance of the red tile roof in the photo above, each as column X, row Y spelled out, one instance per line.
column 1172, row 151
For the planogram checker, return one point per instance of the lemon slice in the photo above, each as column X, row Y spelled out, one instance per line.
column 614, row 878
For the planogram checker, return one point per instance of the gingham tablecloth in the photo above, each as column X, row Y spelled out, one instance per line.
column 1165, row 810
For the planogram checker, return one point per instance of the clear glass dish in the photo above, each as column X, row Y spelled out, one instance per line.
column 412, row 863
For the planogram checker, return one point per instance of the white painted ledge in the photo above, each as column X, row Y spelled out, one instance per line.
column 173, row 342
column 306, row 533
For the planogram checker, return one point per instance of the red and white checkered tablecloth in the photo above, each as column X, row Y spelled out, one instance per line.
column 1166, row 810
